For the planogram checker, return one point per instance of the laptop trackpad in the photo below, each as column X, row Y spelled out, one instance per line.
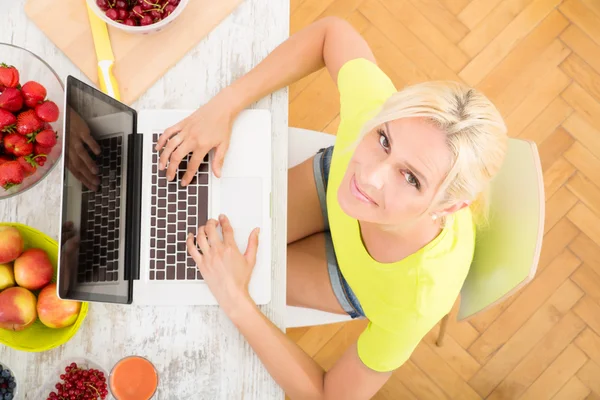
column 242, row 203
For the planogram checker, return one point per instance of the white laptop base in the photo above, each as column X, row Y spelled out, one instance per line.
column 243, row 193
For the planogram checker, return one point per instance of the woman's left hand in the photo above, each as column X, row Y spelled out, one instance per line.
column 224, row 268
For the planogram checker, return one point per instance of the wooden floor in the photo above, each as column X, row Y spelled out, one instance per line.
column 539, row 61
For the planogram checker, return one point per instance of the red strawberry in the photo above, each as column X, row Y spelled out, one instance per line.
column 4, row 159
column 11, row 99
column 9, row 142
column 9, row 76
column 28, row 122
column 28, row 164
column 7, row 121
column 37, row 149
column 17, row 145
column 11, row 174
column 47, row 111
column 46, row 138
column 33, row 93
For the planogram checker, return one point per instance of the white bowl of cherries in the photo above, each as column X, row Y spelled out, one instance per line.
column 138, row 16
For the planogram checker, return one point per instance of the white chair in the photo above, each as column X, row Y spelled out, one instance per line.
column 507, row 252
column 302, row 144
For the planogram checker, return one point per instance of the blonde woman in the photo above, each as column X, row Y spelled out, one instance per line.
column 381, row 226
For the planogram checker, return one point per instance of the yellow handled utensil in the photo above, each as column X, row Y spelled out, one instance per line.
column 106, row 58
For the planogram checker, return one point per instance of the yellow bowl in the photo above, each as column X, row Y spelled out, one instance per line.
column 39, row 337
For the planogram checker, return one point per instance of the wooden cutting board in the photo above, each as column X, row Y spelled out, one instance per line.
column 140, row 60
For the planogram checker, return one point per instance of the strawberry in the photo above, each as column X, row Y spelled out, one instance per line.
column 46, row 138
column 9, row 76
column 28, row 122
column 17, row 145
column 11, row 174
column 47, row 111
column 4, row 159
column 11, row 99
column 9, row 142
column 28, row 164
column 37, row 149
column 33, row 93
column 7, row 121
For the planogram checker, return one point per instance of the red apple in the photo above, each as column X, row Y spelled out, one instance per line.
column 11, row 244
column 54, row 312
column 17, row 309
column 33, row 269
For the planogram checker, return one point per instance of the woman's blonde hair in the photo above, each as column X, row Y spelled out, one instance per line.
column 476, row 137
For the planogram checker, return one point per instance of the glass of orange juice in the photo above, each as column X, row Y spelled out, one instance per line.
column 133, row 378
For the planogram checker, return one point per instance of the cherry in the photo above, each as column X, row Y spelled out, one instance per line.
column 137, row 10
column 146, row 20
column 130, row 22
column 155, row 14
column 146, row 5
column 112, row 14
column 169, row 9
column 121, row 4
column 123, row 14
column 102, row 4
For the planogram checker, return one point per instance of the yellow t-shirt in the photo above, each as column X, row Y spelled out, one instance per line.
column 405, row 299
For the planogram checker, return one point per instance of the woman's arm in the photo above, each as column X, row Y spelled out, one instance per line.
column 227, row 273
column 298, row 374
column 328, row 42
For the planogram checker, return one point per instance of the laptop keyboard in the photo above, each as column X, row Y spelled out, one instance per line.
column 175, row 211
column 101, row 216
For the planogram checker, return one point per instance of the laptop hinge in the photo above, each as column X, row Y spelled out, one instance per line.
column 134, row 204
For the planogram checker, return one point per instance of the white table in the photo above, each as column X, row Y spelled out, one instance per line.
column 199, row 354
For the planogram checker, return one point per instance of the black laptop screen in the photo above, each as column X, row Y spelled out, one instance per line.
column 95, row 262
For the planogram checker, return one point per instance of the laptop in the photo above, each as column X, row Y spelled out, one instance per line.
column 126, row 241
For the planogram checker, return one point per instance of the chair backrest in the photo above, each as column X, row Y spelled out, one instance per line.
column 508, row 250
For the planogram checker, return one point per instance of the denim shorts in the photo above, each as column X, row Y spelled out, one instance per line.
column 342, row 290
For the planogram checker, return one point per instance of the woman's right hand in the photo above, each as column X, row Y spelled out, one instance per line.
column 207, row 128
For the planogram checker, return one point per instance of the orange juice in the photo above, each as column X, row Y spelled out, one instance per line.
column 133, row 378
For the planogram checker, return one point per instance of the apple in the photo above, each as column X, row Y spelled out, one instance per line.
column 17, row 309
column 11, row 244
column 33, row 269
column 7, row 277
column 54, row 312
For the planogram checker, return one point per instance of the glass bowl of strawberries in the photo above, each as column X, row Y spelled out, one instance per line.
column 138, row 16
column 31, row 119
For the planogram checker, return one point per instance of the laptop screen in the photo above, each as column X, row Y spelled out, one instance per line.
column 96, row 261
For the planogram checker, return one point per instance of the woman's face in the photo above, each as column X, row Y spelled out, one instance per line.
column 395, row 172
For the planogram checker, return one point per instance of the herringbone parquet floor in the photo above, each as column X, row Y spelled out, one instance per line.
column 539, row 61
